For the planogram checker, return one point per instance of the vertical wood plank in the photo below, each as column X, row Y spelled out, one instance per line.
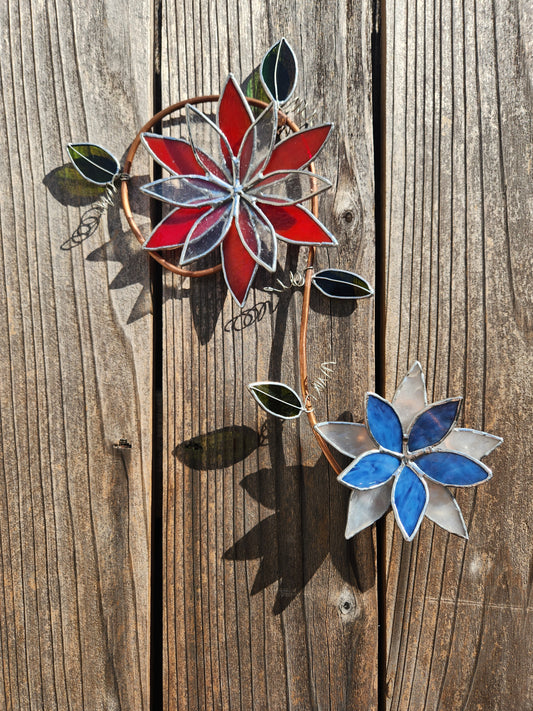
column 458, row 230
column 75, row 371
column 262, row 606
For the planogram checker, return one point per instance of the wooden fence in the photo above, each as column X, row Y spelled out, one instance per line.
column 206, row 567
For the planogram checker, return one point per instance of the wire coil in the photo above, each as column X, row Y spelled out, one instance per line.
column 295, row 280
column 320, row 384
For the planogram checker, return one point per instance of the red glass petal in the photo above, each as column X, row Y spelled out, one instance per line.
column 173, row 230
column 296, row 224
column 298, row 150
column 234, row 116
column 174, row 153
column 239, row 267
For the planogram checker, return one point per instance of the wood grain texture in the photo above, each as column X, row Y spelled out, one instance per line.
column 458, row 229
column 75, row 372
column 262, row 606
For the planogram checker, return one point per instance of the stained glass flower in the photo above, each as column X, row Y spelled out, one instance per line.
column 233, row 186
column 406, row 455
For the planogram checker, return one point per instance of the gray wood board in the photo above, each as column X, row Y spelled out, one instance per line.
column 76, row 367
column 262, row 607
column 458, row 229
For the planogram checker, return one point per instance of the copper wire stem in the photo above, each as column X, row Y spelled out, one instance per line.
column 302, row 350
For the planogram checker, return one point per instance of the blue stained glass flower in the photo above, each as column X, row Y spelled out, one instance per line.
column 405, row 455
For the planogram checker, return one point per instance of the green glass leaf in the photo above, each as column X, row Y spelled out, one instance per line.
column 279, row 71
column 278, row 399
column 93, row 162
column 340, row 284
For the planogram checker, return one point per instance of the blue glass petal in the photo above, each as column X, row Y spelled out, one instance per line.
column 409, row 498
column 383, row 423
column 370, row 470
column 433, row 424
column 453, row 469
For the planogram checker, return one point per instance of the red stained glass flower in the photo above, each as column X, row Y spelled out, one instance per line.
column 232, row 186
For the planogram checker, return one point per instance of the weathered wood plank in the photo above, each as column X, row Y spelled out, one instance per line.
column 75, row 372
column 262, row 608
column 458, row 229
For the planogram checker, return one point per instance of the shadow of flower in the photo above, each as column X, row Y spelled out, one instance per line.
column 307, row 525
column 125, row 249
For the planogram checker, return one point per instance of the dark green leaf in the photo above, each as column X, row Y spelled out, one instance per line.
column 340, row 284
column 93, row 162
column 279, row 71
column 277, row 399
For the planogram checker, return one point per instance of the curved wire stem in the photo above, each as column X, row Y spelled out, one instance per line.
column 302, row 352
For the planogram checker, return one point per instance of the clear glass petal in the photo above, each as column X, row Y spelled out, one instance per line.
column 410, row 398
column 433, row 424
column 444, row 510
column 257, row 144
column 383, row 423
column 452, row 468
column 174, row 154
column 257, row 235
column 369, row 470
column 207, row 233
column 288, row 187
column 207, row 141
column 238, row 265
column 366, row 506
column 472, row 442
column 172, row 231
column 299, row 149
column 187, row 191
column 409, row 501
column 295, row 224
column 349, row 438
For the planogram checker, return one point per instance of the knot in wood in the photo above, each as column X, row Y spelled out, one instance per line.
column 348, row 216
column 346, row 604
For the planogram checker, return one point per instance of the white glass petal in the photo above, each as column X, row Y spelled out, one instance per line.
column 472, row 442
column 257, row 144
column 349, row 438
column 444, row 510
column 187, row 191
column 257, row 235
column 366, row 507
column 411, row 396
column 207, row 233
column 288, row 187
column 206, row 140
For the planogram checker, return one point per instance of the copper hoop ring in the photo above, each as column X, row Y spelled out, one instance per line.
column 124, row 193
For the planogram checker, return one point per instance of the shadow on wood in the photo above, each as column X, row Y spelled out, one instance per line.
column 294, row 541
column 218, row 449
